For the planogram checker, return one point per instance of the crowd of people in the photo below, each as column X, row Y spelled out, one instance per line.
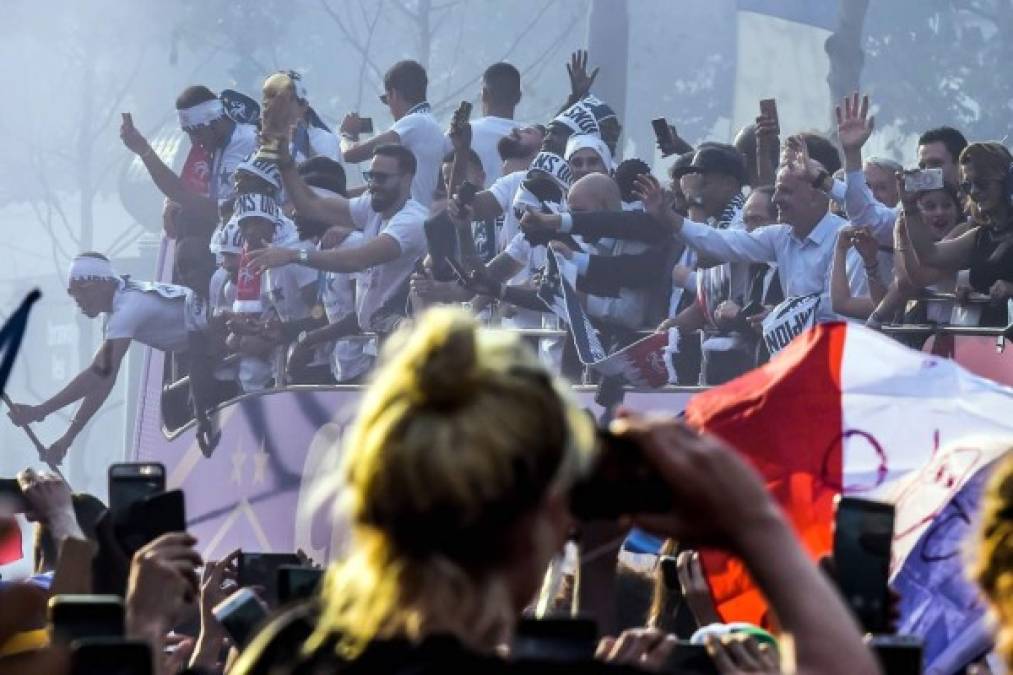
column 285, row 274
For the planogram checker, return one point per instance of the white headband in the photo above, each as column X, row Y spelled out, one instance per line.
column 552, row 164
column 582, row 141
column 85, row 267
column 580, row 119
column 264, row 169
column 227, row 239
column 201, row 114
column 255, row 205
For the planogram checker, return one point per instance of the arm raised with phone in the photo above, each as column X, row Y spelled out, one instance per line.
column 721, row 501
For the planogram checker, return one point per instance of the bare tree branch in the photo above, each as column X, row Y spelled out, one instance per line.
column 359, row 47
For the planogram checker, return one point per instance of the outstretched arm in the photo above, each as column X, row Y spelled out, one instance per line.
column 165, row 179
column 376, row 252
column 948, row 254
column 352, row 149
column 330, row 210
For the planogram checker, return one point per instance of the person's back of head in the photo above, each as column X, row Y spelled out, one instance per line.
column 823, row 151
column 408, row 78
column 462, row 444
column 625, row 175
column 501, row 87
column 594, row 192
column 325, row 173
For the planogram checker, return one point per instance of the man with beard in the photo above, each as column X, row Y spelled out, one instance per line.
column 393, row 237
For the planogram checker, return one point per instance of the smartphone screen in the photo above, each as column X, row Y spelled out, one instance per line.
column 261, row 569
column 366, row 125
column 297, row 583
column 690, row 659
column 150, row 518
column 663, row 133
column 131, row 482
column 441, row 239
column 240, row 613
column 110, row 656
column 863, row 533
column 898, row 654
column 622, row 482
column 74, row 617
column 768, row 108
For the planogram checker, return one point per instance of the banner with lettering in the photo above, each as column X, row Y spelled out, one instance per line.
column 791, row 318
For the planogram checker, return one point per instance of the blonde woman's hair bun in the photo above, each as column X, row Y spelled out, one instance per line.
column 446, row 365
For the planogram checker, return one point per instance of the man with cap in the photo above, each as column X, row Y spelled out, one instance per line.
column 161, row 316
column 203, row 117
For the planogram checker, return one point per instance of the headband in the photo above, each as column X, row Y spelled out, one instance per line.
column 555, row 166
column 227, row 239
column 262, row 168
column 580, row 119
column 86, row 267
column 583, row 141
column 201, row 114
column 253, row 205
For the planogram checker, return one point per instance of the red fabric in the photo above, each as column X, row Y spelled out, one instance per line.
column 786, row 418
column 196, row 172
column 10, row 541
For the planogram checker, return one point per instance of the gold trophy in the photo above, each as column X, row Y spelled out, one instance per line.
column 278, row 97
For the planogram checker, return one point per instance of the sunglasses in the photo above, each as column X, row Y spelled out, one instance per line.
column 981, row 184
column 378, row 177
column 384, row 99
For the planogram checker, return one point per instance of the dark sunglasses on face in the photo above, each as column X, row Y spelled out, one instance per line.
column 384, row 100
column 378, row 177
column 980, row 184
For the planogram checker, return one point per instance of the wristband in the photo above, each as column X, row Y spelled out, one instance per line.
column 565, row 222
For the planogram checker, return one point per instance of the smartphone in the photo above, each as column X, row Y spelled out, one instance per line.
column 463, row 111
column 365, row 125
column 131, row 482
column 663, row 132
column 73, row 617
column 110, row 656
column 690, row 659
column 261, row 569
column 441, row 239
column 555, row 639
column 863, row 532
column 150, row 518
column 622, row 482
column 11, row 495
column 923, row 180
column 466, row 193
column 241, row 614
column 897, row 654
column 297, row 583
column 768, row 108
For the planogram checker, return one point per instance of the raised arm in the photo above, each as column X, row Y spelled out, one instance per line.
column 948, row 254
column 854, row 127
column 165, row 179
column 841, row 299
column 331, row 210
column 352, row 149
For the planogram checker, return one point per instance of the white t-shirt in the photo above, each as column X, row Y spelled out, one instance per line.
column 485, row 135
column 420, row 133
column 282, row 287
column 503, row 190
column 347, row 358
column 149, row 317
column 377, row 285
column 322, row 143
column 241, row 145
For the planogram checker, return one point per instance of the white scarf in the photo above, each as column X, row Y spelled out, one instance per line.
column 85, row 267
column 201, row 114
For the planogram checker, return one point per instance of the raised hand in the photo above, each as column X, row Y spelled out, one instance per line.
column 657, row 202
column 351, row 125
column 131, row 137
column 460, row 127
column 695, row 588
column 580, row 81
column 854, row 124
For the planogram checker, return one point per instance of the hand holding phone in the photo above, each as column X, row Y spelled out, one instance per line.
column 664, row 136
column 366, row 125
column 923, row 180
column 768, row 116
column 863, row 533
column 73, row 617
column 261, row 570
column 241, row 614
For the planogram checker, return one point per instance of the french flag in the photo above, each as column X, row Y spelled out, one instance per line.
column 845, row 410
column 15, row 548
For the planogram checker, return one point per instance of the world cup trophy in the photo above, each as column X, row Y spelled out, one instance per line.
column 278, row 98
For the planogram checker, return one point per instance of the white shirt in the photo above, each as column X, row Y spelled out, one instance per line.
column 377, row 285
column 282, row 287
column 863, row 209
column 503, row 190
column 149, row 317
column 804, row 265
column 221, row 292
column 241, row 145
column 347, row 358
column 485, row 135
column 419, row 132
column 322, row 142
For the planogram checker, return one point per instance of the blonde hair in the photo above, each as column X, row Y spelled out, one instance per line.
column 992, row 566
column 461, row 434
column 991, row 161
